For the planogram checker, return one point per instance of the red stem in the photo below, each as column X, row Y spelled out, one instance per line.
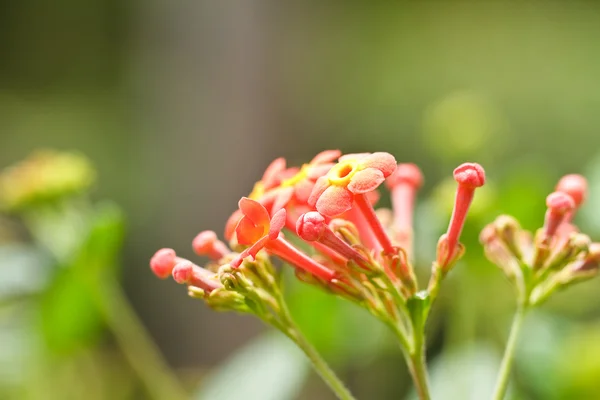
column 287, row 252
column 369, row 213
column 464, row 197
column 403, row 200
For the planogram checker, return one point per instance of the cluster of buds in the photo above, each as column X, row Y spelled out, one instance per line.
column 556, row 256
column 349, row 249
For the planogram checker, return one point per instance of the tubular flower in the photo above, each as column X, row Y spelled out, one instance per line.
column 469, row 177
column 354, row 174
column 404, row 184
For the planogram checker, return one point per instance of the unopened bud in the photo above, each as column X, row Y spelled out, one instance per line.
column 311, row 226
column 346, row 229
column 508, row 230
column 559, row 204
column 575, row 186
column 591, row 262
column 446, row 259
column 206, row 243
column 162, row 262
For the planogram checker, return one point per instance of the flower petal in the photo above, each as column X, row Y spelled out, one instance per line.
column 385, row 162
column 353, row 156
column 271, row 176
column 248, row 233
column 284, row 195
column 303, row 190
column 231, row 224
column 277, row 224
column 255, row 211
column 334, row 201
column 365, row 181
column 326, row 156
column 314, row 172
column 320, row 186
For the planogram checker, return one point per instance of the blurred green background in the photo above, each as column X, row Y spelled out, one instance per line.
column 180, row 105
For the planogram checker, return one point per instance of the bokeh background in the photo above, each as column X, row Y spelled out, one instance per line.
column 180, row 105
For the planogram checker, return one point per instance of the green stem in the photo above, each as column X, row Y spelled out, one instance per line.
column 415, row 357
column 417, row 365
column 289, row 328
column 418, row 371
column 138, row 348
column 505, row 367
column 326, row 373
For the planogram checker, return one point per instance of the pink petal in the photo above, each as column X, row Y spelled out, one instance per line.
column 317, row 171
column 353, row 156
column 271, row 176
column 320, row 186
column 326, row 156
column 303, row 190
column 385, row 162
column 284, row 195
column 365, row 181
column 248, row 233
column 277, row 224
column 231, row 223
column 255, row 211
column 334, row 201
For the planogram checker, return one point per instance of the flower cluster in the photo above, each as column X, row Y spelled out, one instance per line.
column 556, row 256
column 350, row 250
column 347, row 248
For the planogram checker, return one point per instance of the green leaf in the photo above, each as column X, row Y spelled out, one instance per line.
column 69, row 317
column 270, row 367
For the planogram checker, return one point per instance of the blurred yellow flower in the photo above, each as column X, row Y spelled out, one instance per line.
column 45, row 175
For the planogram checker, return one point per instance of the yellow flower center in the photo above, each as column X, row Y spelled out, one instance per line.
column 341, row 173
column 296, row 178
column 257, row 191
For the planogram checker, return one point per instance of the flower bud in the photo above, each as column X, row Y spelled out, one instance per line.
column 559, row 204
column 508, row 230
column 311, row 226
column 162, row 262
column 575, row 186
column 206, row 243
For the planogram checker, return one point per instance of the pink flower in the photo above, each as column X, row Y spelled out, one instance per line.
column 354, row 174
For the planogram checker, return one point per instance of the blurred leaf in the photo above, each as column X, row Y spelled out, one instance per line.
column 68, row 314
column 104, row 240
column 464, row 374
column 270, row 367
column 61, row 228
column 23, row 270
